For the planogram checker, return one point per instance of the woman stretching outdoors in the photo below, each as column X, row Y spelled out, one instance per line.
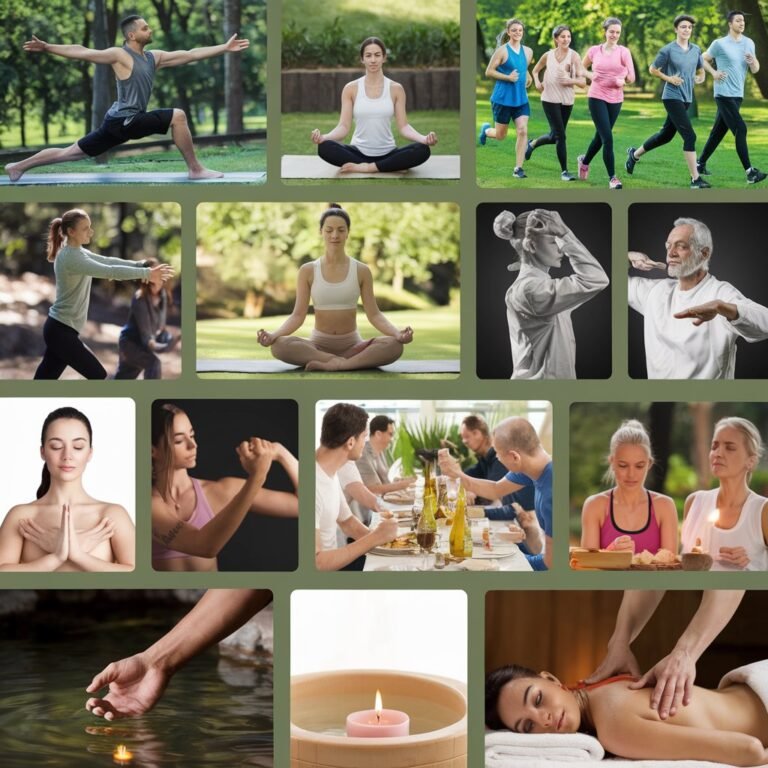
column 74, row 267
column 562, row 73
column 509, row 100
column 335, row 283
column 66, row 529
column 629, row 516
column 737, row 537
column 372, row 101
column 609, row 67
column 680, row 65
column 145, row 334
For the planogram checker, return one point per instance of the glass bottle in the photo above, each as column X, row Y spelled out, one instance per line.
column 460, row 527
column 426, row 528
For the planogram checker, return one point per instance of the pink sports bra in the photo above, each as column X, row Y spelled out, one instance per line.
column 200, row 516
column 342, row 295
column 648, row 537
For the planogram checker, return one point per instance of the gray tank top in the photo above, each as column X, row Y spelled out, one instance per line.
column 133, row 93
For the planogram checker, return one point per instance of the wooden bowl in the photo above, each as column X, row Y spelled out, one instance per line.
column 696, row 561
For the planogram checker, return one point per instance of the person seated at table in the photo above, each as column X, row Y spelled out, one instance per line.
column 342, row 438
column 629, row 516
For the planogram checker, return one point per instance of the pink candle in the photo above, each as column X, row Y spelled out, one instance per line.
column 377, row 723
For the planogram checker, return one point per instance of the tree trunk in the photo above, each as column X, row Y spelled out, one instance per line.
column 660, row 426
column 702, row 432
column 757, row 30
column 233, row 73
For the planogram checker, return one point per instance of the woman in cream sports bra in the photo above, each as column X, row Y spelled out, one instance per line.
column 335, row 283
column 372, row 101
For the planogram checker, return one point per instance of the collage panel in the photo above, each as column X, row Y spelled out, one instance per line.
column 669, row 486
column 202, row 662
column 225, row 481
column 63, row 505
column 204, row 121
column 260, row 265
column 90, row 291
column 425, row 485
column 347, row 74
column 586, row 695
column 705, row 317
column 368, row 689
column 559, row 324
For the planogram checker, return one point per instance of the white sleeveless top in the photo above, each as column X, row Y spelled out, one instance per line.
column 373, row 118
column 747, row 532
column 341, row 295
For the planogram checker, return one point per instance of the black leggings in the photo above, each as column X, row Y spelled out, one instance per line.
column 677, row 122
column 63, row 347
column 728, row 118
column 399, row 159
column 557, row 116
column 604, row 116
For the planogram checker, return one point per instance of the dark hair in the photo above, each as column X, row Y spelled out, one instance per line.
column 334, row 209
column 731, row 14
column 494, row 682
column 58, row 229
column 559, row 29
column 372, row 41
column 684, row 17
column 610, row 21
column 145, row 290
column 128, row 24
column 476, row 424
column 380, row 424
column 60, row 413
column 342, row 421
column 163, row 415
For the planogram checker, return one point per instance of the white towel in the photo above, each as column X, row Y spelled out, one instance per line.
column 754, row 675
column 505, row 748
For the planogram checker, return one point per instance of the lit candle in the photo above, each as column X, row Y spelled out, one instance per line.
column 706, row 542
column 378, row 722
column 122, row 755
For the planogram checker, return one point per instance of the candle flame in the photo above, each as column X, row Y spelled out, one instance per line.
column 378, row 706
column 714, row 516
column 123, row 753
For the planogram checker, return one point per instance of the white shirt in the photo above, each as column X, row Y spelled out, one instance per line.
column 539, row 314
column 330, row 507
column 678, row 349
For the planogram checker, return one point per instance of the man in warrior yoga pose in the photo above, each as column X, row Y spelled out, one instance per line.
column 128, row 118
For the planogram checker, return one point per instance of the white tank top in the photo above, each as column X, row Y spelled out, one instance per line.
column 373, row 118
column 341, row 295
column 747, row 532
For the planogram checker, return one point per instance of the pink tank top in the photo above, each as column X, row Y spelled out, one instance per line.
column 648, row 537
column 200, row 516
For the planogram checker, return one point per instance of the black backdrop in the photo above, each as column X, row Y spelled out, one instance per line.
column 261, row 543
column 591, row 223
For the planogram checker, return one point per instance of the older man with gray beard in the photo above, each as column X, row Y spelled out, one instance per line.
column 706, row 347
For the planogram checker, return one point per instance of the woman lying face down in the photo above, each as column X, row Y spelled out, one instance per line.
column 729, row 725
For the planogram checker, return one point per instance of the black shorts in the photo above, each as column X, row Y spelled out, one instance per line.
column 114, row 130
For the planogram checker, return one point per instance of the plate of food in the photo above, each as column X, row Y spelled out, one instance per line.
column 402, row 545
column 403, row 496
column 663, row 560
column 497, row 550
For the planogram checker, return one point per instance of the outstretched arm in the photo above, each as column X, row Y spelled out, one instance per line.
column 176, row 58
column 79, row 52
column 137, row 682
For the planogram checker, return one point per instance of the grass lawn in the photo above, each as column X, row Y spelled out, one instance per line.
column 436, row 338
column 251, row 157
column 640, row 117
column 297, row 126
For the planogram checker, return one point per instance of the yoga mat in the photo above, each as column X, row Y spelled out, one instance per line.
column 313, row 167
column 276, row 366
column 30, row 178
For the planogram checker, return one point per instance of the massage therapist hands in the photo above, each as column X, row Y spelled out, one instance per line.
column 673, row 676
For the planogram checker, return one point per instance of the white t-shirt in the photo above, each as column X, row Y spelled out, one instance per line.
column 330, row 507
column 678, row 349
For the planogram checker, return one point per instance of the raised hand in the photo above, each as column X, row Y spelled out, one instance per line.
column 47, row 538
column 701, row 313
column 256, row 454
column 317, row 137
column 134, row 688
column 642, row 262
column 159, row 274
column 265, row 338
column 405, row 336
column 236, row 44
column 35, row 45
column 448, row 465
column 543, row 222
column 430, row 139
column 62, row 539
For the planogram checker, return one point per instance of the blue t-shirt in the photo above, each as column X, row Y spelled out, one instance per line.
column 674, row 60
column 542, row 495
column 510, row 94
column 729, row 57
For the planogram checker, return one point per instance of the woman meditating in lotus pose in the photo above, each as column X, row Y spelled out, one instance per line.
column 193, row 519
column 737, row 517
column 373, row 100
column 66, row 529
column 335, row 283
column 629, row 516
column 729, row 725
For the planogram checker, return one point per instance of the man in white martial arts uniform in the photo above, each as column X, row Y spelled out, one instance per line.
column 705, row 348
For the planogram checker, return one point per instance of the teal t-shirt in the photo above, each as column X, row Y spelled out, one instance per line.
column 729, row 58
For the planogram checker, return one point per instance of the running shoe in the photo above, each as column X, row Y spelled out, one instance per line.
column 519, row 173
column 567, row 176
column 481, row 137
column 631, row 160
column 583, row 168
column 702, row 169
column 700, row 183
column 754, row 175
column 614, row 183
column 529, row 150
